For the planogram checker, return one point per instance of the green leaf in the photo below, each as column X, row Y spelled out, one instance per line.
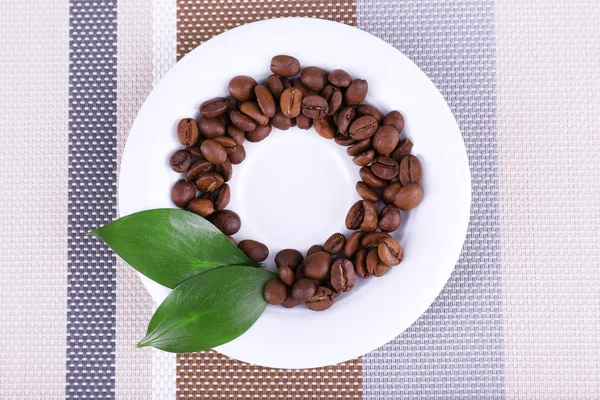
column 169, row 245
column 208, row 310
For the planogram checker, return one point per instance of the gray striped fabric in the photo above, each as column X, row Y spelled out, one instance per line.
column 92, row 199
column 456, row 348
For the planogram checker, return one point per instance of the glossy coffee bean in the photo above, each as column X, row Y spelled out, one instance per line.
column 322, row 299
column 242, row 121
column 180, row 161
column 242, row 87
column 209, row 182
column 303, row 289
column 386, row 139
column 228, row 143
column 324, row 128
column 353, row 244
column 275, row 292
column 359, row 147
column 255, row 251
column 389, row 192
column 403, row 149
column 299, row 86
column 373, row 239
column 214, row 107
column 187, row 132
column 287, row 275
column 195, row 149
column 411, row 170
column 239, row 155
column 291, row 102
column 197, row 168
column 317, row 265
column 343, row 277
column 363, row 127
column 370, row 179
column 289, row 301
column 225, row 170
column 344, row 119
column 395, row 119
column 390, row 252
column 211, row 127
column 213, row 151
column 314, row 78
column 335, row 243
column 202, row 207
column 365, row 109
column 275, row 86
column 360, row 263
column 303, row 122
column 365, row 158
column 363, row 215
column 314, row 249
column 236, row 134
column 327, row 284
column 356, row 92
column 265, row 100
column 343, row 140
column 182, row 193
column 252, row 110
column 385, row 167
column 258, row 134
column 223, row 197
column 281, row 122
column 339, row 78
column 409, row 196
column 314, row 106
column 283, row 65
column 290, row 257
column 366, row 192
column 389, row 218
column 226, row 221
column 374, row 265
column 334, row 98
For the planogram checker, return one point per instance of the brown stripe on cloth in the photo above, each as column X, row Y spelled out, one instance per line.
column 210, row 374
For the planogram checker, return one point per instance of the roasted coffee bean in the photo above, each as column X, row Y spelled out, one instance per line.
column 373, row 239
column 300, row 273
column 363, row 128
column 242, row 121
column 183, row 192
column 386, row 139
column 287, row 275
column 409, row 196
column 291, row 102
column 353, row 244
column 209, row 182
column 356, row 92
column 324, row 128
column 411, row 170
column 281, row 122
column 335, row 243
column 195, row 149
column 374, row 265
column 198, row 168
column 303, row 121
column 344, row 119
column 365, row 158
column 334, row 99
column 299, row 86
column 236, row 134
column 365, row 109
column 390, row 252
column 403, row 149
column 322, row 299
column 187, row 132
column 239, row 155
column 359, row 147
column 181, row 161
column 211, row 127
column 343, row 277
column 214, row 107
column 290, row 257
column 289, row 301
column 283, row 65
column 206, row 196
column 363, row 215
column 314, row 78
column 232, row 240
column 385, row 167
column 371, row 179
column 223, row 197
column 265, row 100
column 258, row 134
column 255, row 251
column 242, row 88
column 343, row 140
column 226, row 221
column 389, row 218
column 275, row 86
column 389, row 192
column 275, row 292
column 395, row 119
column 252, row 110
column 202, row 207
column 371, row 218
column 225, row 170
column 315, row 107
column 303, row 289
column 395, row 179
column 314, row 249
column 366, row 192
column 228, row 143
column 316, row 266
column 360, row 263
column 286, row 83
column 339, row 78
column 334, row 292
column 213, row 151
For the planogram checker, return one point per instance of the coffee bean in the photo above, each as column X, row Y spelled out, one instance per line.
column 334, row 99
column 289, row 301
column 291, row 102
column 290, row 257
column 390, row 252
column 363, row 128
column 314, row 249
column 287, row 275
column 183, row 192
column 343, row 140
column 316, row 266
column 385, row 167
column 226, row 221
column 242, row 88
column 365, row 109
column 303, row 121
column 209, row 182
column 195, row 149
column 242, row 121
column 409, row 196
column 236, row 134
column 395, row 119
column 239, row 155
column 370, row 179
column 314, row 78
column 356, row 92
column 371, row 218
column 343, row 277
column 299, row 86
column 206, row 196
column 389, row 218
column 187, row 132
column 315, row 107
column 213, row 151
column 280, row 121
column 363, row 215
column 403, row 149
column 353, row 244
column 300, row 273
column 386, row 139
column 339, row 78
column 335, row 243
column 198, row 168
column 360, row 263
column 373, row 239
column 321, row 300
column 255, row 251
column 275, row 292
column 265, row 100
column 359, row 147
column 252, row 110
column 202, row 207
column 411, row 170
column 365, row 158
column 344, row 118
column 180, row 161
column 366, row 192
column 211, row 127
column 228, row 143
column 214, row 107
column 223, row 197
column 327, row 284
column 286, row 83
column 283, row 65
column 324, row 128
column 275, row 86
column 303, row 289
column 258, row 134
column 374, row 265
column 225, row 170
column 389, row 192
column 231, row 239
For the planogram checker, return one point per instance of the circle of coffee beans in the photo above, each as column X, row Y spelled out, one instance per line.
column 332, row 103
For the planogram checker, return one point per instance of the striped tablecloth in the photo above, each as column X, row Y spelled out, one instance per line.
column 518, row 319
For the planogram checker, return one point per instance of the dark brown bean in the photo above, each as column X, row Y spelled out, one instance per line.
column 213, row 151
column 409, row 196
column 195, row 149
column 339, row 78
column 211, row 127
column 366, row 192
column 226, row 221
column 290, row 257
column 314, row 249
column 395, row 119
column 300, row 273
column 214, row 107
column 385, row 167
column 303, row 289
column 242, row 121
column 275, row 86
column 363, row 215
column 365, row 158
column 324, row 128
column 365, row 109
column 371, row 218
column 202, row 207
column 197, row 168
column 403, row 149
column 291, row 102
column 281, row 122
column 359, row 147
column 344, row 119
column 314, row 78
column 228, row 143
column 374, row 265
column 360, row 263
column 370, row 179
column 236, row 134
column 180, row 161
column 225, row 170
column 223, row 197
column 289, row 301
column 390, row 252
column 303, row 121
column 363, row 128
column 275, row 292
column 251, row 109
column 255, row 251
column 373, row 239
column 322, row 299
column 353, row 244
column 284, row 65
column 343, row 277
column 335, row 243
column 286, row 83
column 317, row 265
column 209, row 182
column 183, row 192
column 242, row 87
column 343, row 140
column 287, row 275
column 258, row 134
column 389, row 218
column 386, row 139
column 356, row 92
column 265, row 100
column 411, row 170
column 187, row 132
column 389, row 192
column 239, row 155
column 314, row 106
column 334, row 99
column 299, row 86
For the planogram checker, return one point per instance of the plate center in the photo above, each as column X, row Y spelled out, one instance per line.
column 293, row 190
